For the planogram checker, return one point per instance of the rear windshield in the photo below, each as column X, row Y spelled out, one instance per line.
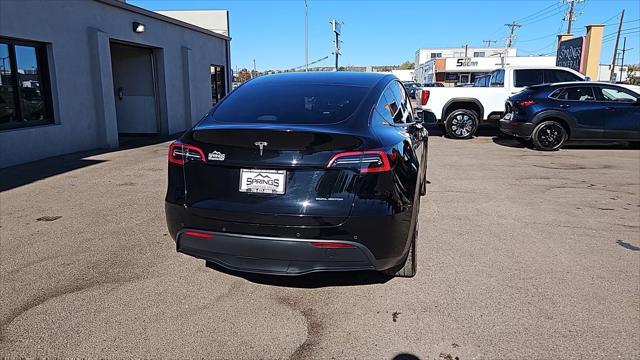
column 290, row 104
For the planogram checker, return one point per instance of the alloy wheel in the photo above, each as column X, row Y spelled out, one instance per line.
column 462, row 125
column 551, row 135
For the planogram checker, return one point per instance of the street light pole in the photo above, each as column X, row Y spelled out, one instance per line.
column 306, row 36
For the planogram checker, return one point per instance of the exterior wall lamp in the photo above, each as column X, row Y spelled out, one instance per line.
column 138, row 27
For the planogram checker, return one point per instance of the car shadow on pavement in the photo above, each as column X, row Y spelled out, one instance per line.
column 309, row 281
column 23, row 174
column 485, row 130
column 585, row 145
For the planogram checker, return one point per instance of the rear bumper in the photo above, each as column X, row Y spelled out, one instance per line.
column 269, row 255
column 515, row 128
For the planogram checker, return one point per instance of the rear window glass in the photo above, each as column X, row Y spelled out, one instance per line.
column 290, row 103
column 527, row 77
column 556, row 76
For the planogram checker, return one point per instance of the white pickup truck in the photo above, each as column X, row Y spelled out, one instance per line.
column 460, row 110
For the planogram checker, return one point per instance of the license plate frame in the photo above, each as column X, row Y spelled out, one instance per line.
column 261, row 181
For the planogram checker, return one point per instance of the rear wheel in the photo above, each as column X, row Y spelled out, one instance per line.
column 549, row 136
column 409, row 267
column 461, row 124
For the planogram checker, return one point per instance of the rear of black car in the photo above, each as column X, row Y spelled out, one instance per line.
column 288, row 183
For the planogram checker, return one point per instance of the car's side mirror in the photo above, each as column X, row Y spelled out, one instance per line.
column 587, row 78
column 418, row 119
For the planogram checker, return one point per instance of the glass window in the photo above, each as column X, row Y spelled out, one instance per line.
column 556, row 76
column 29, row 84
column 7, row 87
column 527, row 77
column 218, row 88
column 384, row 109
column 436, row 55
column 577, row 93
column 497, row 78
column 612, row 94
column 399, row 96
column 24, row 92
column 289, row 103
column 478, row 54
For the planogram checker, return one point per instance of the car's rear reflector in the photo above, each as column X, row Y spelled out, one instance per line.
column 179, row 152
column 365, row 161
column 424, row 97
column 333, row 245
column 199, row 234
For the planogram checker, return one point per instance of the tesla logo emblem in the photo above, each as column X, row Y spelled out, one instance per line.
column 261, row 145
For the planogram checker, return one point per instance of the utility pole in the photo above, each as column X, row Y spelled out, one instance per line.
column 488, row 42
column 254, row 68
column 624, row 50
column 466, row 50
column 513, row 26
column 615, row 49
column 306, row 36
column 571, row 17
column 336, row 26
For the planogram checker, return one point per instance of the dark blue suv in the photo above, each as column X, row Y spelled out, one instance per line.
column 550, row 114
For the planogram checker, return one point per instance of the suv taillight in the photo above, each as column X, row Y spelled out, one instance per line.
column 526, row 103
column 179, row 152
column 365, row 161
column 424, row 97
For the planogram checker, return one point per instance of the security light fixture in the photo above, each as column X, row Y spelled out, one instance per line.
column 138, row 27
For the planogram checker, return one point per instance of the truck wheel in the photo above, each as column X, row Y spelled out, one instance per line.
column 549, row 136
column 461, row 124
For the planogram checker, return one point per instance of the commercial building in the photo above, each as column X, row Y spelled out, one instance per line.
column 454, row 66
column 80, row 75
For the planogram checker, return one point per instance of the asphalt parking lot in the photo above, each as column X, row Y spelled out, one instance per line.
column 522, row 254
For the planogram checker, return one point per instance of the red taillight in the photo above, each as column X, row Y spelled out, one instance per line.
column 199, row 234
column 526, row 103
column 179, row 152
column 365, row 161
column 424, row 97
column 333, row 245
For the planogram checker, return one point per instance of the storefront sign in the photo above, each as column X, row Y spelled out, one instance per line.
column 452, row 77
column 466, row 62
column 570, row 54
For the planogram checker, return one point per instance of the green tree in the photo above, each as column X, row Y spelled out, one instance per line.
column 407, row 65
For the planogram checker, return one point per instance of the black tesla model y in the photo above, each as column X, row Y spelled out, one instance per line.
column 302, row 172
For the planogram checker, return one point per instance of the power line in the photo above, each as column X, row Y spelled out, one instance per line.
column 556, row 11
column 613, row 34
column 538, row 12
column 621, row 33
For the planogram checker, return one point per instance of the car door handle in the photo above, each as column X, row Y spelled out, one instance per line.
column 564, row 106
column 611, row 108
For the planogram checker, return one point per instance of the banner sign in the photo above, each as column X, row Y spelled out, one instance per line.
column 570, row 54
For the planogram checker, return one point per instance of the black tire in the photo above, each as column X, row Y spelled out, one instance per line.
column 549, row 135
column 410, row 266
column 461, row 124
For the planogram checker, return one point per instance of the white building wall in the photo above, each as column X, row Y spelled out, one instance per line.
column 212, row 20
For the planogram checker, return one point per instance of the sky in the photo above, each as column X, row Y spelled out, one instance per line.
column 389, row 32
